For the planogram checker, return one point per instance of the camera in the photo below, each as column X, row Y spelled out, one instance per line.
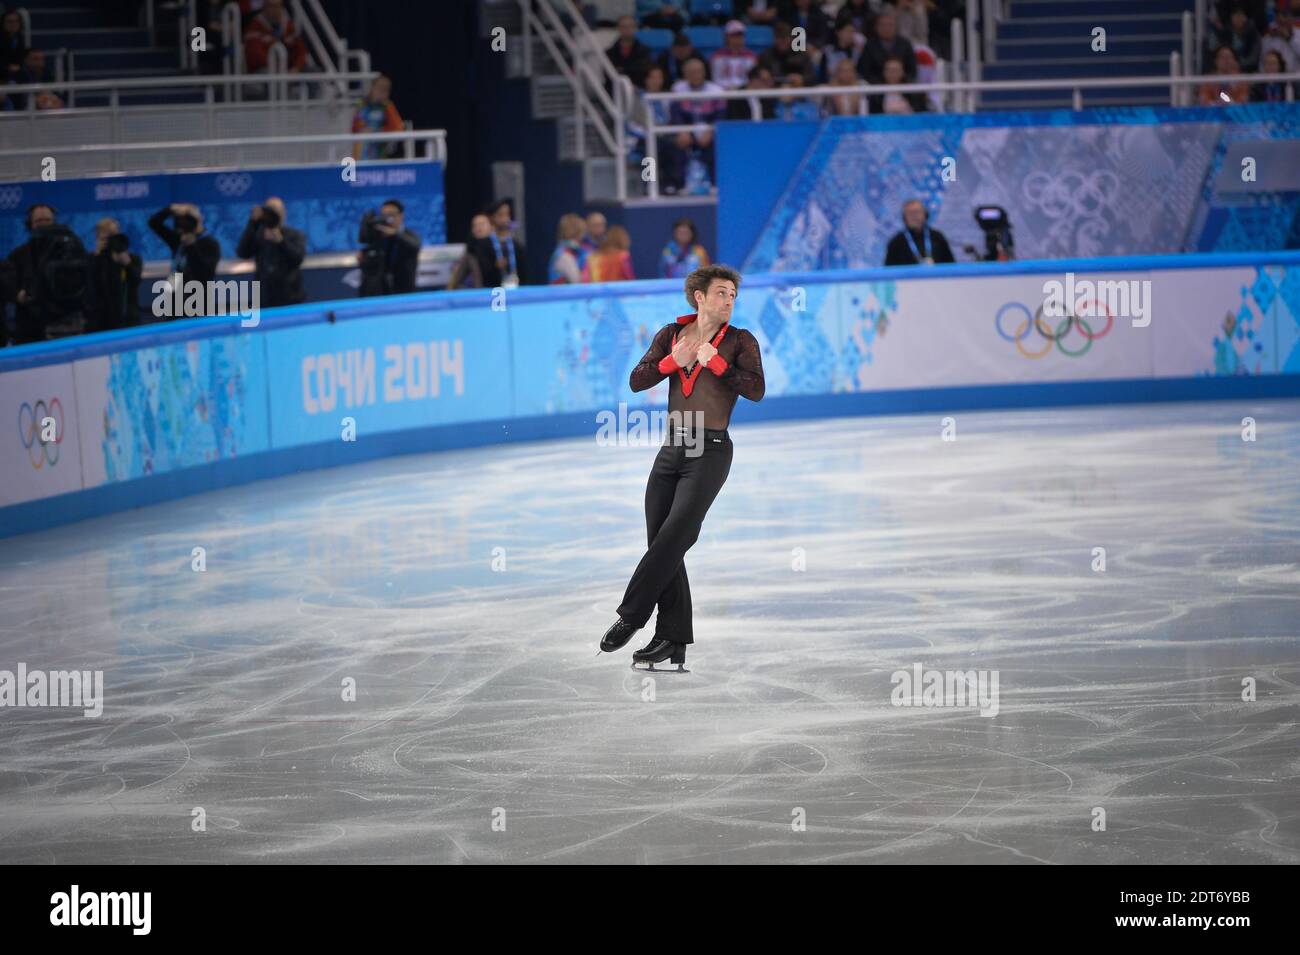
column 186, row 223
column 369, row 234
column 117, row 244
column 999, row 246
column 270, row 217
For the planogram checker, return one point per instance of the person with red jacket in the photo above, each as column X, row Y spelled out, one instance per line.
column 273, row 25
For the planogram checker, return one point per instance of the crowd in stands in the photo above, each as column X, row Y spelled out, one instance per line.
column 1240, row 39
column 586, row 250
column 853, row 43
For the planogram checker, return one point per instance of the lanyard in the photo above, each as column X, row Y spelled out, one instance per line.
column 911, row 242
column 510, row 248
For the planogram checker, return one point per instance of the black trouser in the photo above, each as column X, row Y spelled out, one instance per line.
column 677, row 496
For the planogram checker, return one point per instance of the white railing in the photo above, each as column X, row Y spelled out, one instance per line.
column 115, row 87
column 1175, row 81
column 232, row 57
column 580, row 59
column 435, row 141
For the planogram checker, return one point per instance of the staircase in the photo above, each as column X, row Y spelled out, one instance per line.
column 1052, row 39
column 99, row 49
column 552, row 98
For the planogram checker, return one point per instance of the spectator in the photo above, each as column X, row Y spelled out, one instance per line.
column 1285, row 40
column 47, row 100
column 612, row 262
column 942, row 13
column 207, row 14
column 391, row 252
column 638, row 120
column 917, row 243
column 565, row 266
column 273, row 25
column 278, row 251
column 466, row 273
column 501, row 256
column 730, row 65
column 695, row 158
column 754, row 107
column 882, row 46
column 195, row 253
column 683, row 254
column 661, row 14
column 1271, row 92
column 115, row 280
column 800, row 108
column 595, row 235
column 12, row 48
column 1221, row 94
column 809, row 17
column 675, row 58
column 629, row 55
column 781, row 57
column 49, row 273
column 913, row 20
column 34, row 69
column 762, row 12
column 897, row 103
column 847, row 46
column 377, row 114
column 847, row 104
column 1240, row 34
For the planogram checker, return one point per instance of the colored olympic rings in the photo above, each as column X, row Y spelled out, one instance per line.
column 40, row 451
column 1053, row 336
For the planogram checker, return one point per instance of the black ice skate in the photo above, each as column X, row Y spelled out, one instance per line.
column 657, row 651
column 617, row 635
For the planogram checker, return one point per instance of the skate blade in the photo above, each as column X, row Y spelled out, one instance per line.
column 650, row 668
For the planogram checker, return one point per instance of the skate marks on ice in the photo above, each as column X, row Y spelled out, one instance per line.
column 479, row 689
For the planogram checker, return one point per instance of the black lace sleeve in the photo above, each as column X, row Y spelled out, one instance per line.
column 647, row 372
column 745, row 373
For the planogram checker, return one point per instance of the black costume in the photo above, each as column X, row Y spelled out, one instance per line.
column 681, row 486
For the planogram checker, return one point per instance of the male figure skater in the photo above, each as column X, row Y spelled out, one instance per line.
column 710, row 363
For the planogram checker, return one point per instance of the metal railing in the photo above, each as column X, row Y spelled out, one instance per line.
column 1179, row 88
column 573, row 47
column 116, row 86
column 435, row 141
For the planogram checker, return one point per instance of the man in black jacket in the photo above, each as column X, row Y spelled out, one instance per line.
column 115, row 280
column 49, row 279
column 917, row 244
column 277, row 251
column 629, row 55
column 195, row 253
column 883, row 46
column 391, row 254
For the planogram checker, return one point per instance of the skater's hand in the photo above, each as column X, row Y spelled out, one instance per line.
column 705, row 352
column 684, row 351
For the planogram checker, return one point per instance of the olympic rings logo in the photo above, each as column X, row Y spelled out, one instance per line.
column 40, row 451
column 234, row 184
column 1054, row 336
column 10, row 196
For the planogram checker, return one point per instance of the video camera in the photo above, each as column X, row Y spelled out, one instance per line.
column 186, row 223
column 117, row 244
column 999, row 246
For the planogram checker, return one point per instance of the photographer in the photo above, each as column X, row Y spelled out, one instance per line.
column 115, row 280
column 49, row 279
column 391, row 253
column 195, row 254
column 278, row 251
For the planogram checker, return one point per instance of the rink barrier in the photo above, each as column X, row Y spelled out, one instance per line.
column 156, row 413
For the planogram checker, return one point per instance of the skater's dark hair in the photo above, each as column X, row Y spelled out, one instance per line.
column 698, row 281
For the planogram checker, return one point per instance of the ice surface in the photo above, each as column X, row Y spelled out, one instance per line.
column 480, row 689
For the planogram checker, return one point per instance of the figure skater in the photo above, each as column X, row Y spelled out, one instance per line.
column 695, row 459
